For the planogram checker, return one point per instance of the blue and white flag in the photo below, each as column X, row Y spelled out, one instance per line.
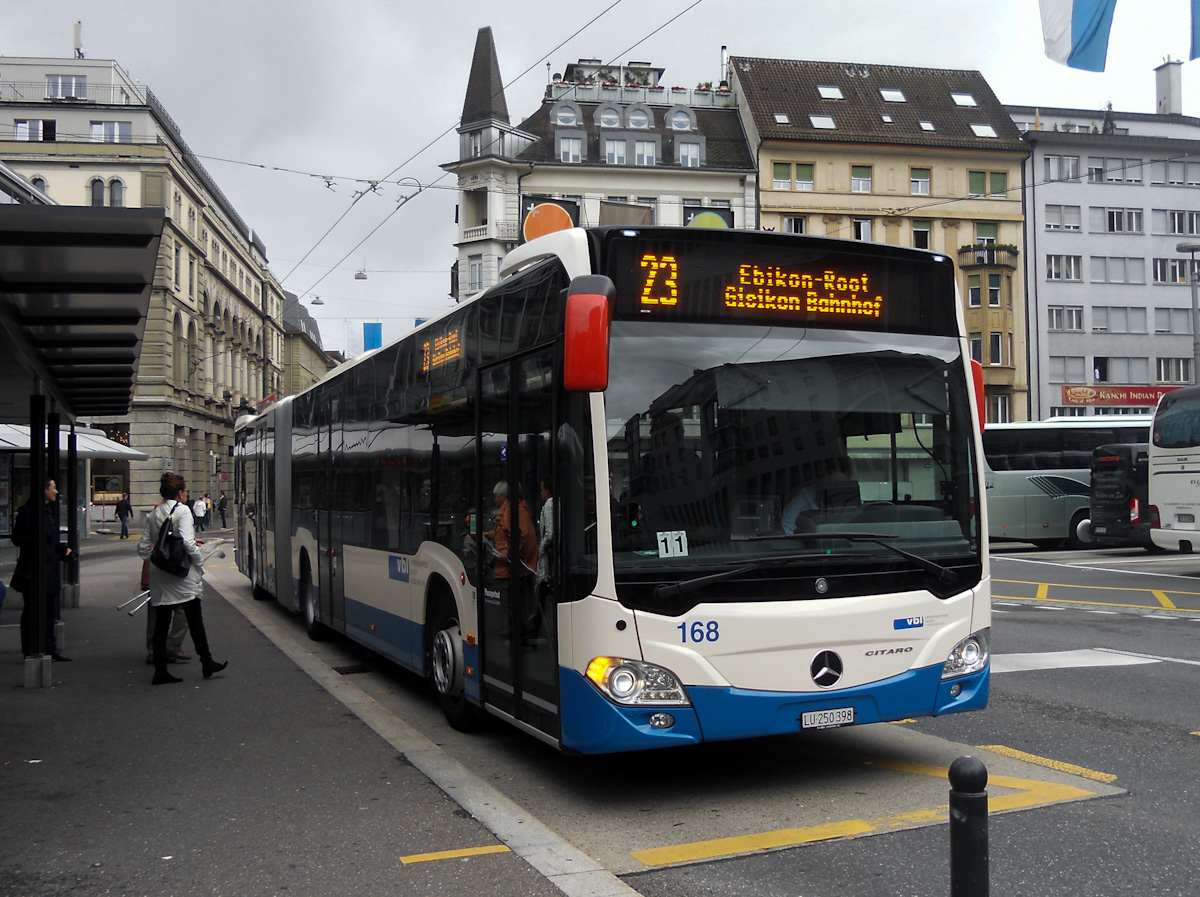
column 1076, row 31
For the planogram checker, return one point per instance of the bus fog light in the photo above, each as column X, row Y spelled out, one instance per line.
column 956, row 689
column 661, row 720
column 969, row 656
column 635, row 682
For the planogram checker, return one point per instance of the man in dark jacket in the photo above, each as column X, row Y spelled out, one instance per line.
column 124, row 512
column 37, row 519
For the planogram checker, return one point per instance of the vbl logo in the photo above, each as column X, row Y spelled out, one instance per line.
column 398, row 568
column 909, row 623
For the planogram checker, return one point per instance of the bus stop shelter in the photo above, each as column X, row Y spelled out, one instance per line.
column 75, row 287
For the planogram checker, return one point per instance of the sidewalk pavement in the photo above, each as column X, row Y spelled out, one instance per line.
column 253, row 782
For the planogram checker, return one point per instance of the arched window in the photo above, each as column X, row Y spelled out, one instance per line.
column 116, row 194
column 39, row 184
column 97, row 192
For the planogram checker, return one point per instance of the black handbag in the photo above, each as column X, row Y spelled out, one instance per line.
column 20, row 581
column 169, row 554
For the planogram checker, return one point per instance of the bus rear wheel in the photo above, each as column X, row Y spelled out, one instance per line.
column 1073, row 541
column 308, row 602
column 444, row 653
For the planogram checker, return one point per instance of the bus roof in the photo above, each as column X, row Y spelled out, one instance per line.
column 1076, row 423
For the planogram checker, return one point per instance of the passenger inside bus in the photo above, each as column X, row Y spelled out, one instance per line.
column 837, row 490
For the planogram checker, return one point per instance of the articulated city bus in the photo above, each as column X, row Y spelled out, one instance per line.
column 657, row 486
column 1175, row 470
column 1039, row 474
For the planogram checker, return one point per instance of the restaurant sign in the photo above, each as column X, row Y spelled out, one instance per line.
column 1114, row 395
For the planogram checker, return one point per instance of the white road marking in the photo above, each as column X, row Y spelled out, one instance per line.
column 1065, row 660
column 1152, row 658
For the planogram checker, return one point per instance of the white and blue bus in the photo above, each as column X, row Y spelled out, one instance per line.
column 1175, row 471
column 657, row 486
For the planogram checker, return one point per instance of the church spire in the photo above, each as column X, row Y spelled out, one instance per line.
column 485, row 90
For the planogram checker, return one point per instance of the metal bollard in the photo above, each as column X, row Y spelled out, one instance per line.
column 968, row 828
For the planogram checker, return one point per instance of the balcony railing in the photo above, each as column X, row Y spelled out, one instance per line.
column 657, row 96
column 108, row 94
column 985, row 256
column 504, row 230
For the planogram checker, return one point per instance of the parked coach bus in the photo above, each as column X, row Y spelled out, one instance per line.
column 1175, row 470
column 657, row 486
column 1120, row 514
column 1039, row 474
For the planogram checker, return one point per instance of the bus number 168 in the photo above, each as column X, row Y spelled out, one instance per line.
column 699, row 631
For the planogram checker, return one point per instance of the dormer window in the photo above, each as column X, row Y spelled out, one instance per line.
column 610, row 117
column 639, row 118
column 681, row 120
column 566, row 117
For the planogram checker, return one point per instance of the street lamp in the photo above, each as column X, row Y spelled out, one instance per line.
column 1191, row 249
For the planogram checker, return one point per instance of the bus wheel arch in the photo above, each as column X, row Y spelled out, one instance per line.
column 309, row 598
column 1073, row 541
column 445, row 668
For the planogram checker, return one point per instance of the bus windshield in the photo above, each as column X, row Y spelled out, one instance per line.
column 733, row 445
column 1177, row 423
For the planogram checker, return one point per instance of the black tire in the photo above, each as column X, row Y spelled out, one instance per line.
column 441, row 661
column 309, row 598
column 1151, row 548
column 1073, row 542
column 260, row 594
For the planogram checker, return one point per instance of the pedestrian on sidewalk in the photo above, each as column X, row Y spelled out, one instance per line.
column 167, row 590
column 124, row 512
column 179, row 626
column 200, row 510
column 37, row 520
column 222, row 504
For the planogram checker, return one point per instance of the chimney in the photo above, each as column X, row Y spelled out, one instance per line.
column 1168, row 89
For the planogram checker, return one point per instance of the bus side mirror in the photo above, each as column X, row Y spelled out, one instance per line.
column 585, row 351
column 980, row 404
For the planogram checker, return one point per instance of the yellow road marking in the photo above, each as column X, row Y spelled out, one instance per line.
column 1182, row 610
column 453, row 854
column 1050, row 764
column 1043, row 589
column 1163, row 599
column 903, row 722
column 1029, row 793
column 1023, row 582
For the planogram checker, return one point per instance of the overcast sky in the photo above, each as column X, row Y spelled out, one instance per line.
column 355, row 88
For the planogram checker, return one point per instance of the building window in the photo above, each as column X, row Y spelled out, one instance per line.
column 689, row 155
column 921, row 232
column 474, row 144
column 1173, row 370
column 795, row 224
column 804, row 176
column 639, row 118
column 60, row 87
column 860, row 178
column 112, row 132
column 644, row 152
column 1116, row 221
column 781, row 176
column 829, row 92
column 566, row 117
column 1170, row 270
column 823, row 122
column 985, row 233
column 36, row 130
column 1120, row 369
column 998, row 183
column 980, row 130
column 1118, row 319
column 995, row 348
column 862, row 229
column 892, row 95
column 191, row 276
column 976, row 343
column 976, row 183
column 39, row 184
column 178, row 270
column 1063, row 267
column 1068, row 411
column 1065, row 318
column 781, row 118
column 918, row 181
column 1062, row 217
column 1172, row 320
column 610, row 117
column 570, row 149
column 475, row 273
column 614, row 152
column 963, row 99
column 1118, row 270
column 994, row 290
column 974, row 287
column 1066, row 369
column 1001, row 410
column 926, row 125
column 1062, row 168
column 97, row 189
column 116, row 194
column 681, row 120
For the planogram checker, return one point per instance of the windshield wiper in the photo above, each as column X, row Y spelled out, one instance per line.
column 944, row 575
column 690, row 585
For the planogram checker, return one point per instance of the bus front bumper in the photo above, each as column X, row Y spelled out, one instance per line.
column 592, row 724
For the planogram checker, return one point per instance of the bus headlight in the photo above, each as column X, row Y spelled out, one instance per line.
column 636, row 683
column 969, row 656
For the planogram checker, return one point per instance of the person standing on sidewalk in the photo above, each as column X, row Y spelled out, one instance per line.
column 37, row 520
column 124, row 512
column 167, row 590
column 200, row 510
column 222, row 504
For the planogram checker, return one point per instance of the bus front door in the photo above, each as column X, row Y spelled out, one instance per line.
column 518, row 620
column 329, row 535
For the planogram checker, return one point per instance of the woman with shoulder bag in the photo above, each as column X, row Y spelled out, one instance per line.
column 168, row 590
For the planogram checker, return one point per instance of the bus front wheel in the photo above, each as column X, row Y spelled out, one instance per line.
column 1073, row 541
column 308, row 601
column 444, row 653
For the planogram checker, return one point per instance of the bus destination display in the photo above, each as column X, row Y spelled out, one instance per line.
column 442, row 349
column 691, row 281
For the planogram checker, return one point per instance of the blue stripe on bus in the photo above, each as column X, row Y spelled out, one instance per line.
column 392, row 636
column 593, row 724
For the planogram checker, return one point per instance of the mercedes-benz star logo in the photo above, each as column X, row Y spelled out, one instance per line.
column 826, row 669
